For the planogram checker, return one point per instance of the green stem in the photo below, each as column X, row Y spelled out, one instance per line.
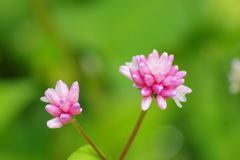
column 140, row 119
column 79, row 128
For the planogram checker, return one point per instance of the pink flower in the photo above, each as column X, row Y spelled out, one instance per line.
column 63, row 103
column 156, row 77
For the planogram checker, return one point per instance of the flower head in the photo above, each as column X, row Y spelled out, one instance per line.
column 63, row 103
column 234, row 76
column 156, row 77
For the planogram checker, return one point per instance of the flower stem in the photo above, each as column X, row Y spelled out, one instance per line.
column 140, row 119
column 79, row 128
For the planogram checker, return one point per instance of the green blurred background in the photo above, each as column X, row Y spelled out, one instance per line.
column 42, row 41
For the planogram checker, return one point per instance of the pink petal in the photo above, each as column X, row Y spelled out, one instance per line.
column 163, row 58
column 149, row 80
column 73, row 93
column 140, row 59
column 168, row 93
column 143, row 59
column 146, row 91
column 64, row 105
column 75, row 109
column 136, row 86
column 155, row 52
column 173, row 70
column 178, row 83
column 52, row 97
column 125, row 71
column 54, row 123
column 153, row 55
column 62, row 89
column 133, row 64
column 138, row 80
column 144, row 69
column 170, row 58
column 159, row 76
column 169, row 80
column 167, row 67
column 161, row 102
column 156, row 64
column 133, row 71
column 157, row 88
column 53, row 110
column 180, row 74
column 65, row 118
column 146, row 101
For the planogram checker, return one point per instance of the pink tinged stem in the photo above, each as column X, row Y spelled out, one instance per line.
column 137, row 126
column 79, row 128
column 173, row 70
column 146, row 91
column 168, row 93
column 159, row 76
column 62, row 89
column 53, row 110
column 125, row 71
column 138, row 80
column 75, row 109
column 52, row 96
column 161, row 102
column 54, row 123
column 64, row 105
column 149, row 80
column 180, row 74
column 157, row 88
column 169, row 80
column 73, row 93
column 65, row 118
column 144, row 69
column 146, row 102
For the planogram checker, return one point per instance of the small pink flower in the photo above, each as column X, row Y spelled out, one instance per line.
column 156, row 77
column 63, row 104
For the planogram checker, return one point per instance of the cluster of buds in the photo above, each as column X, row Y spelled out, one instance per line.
column 63, row 104
column 156, row 77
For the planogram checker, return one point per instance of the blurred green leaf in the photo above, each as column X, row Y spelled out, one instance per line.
column 84, row 153
column 15, row 96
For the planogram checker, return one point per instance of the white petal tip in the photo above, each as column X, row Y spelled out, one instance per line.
column 54, row 123
column 155, row 51
column 44, row 99
column 146, row 102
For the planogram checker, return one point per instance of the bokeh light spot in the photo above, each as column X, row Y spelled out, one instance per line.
column 165, row 141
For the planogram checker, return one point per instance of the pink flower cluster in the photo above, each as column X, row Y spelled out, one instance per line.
column 63, row 103
column 156, row 76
